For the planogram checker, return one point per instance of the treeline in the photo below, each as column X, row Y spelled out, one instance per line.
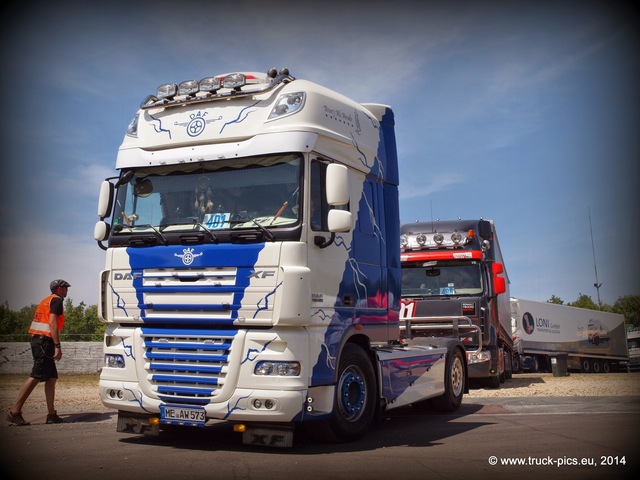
column 628, row 305
column 81, row 323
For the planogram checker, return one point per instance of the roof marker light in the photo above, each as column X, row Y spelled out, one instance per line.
column 287, row 104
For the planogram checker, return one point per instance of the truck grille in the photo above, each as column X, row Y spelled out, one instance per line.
column 187, row 366
column 204, row 295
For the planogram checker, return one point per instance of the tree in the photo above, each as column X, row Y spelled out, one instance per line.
column 585, row 301
column 629, row 306
column 81, row 323
column 555, row 300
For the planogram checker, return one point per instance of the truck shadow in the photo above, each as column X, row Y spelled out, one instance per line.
column 517, row 381
column 402, row 427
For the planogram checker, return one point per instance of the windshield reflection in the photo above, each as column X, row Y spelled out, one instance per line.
column 257, row 192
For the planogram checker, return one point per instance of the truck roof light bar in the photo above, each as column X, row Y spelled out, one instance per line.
column 418, row 241
column 215, row 88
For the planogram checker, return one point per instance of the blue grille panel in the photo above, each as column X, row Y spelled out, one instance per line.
column 187, row 366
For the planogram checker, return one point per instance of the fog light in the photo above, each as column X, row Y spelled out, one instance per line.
column 269, row 404
column 257, row 403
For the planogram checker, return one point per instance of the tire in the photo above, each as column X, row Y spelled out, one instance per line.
column 596, row 367
column 494, row 382
column 354, row 401
column 516, row 364
column 586, row 365
column 606, row 367
column 455, row 380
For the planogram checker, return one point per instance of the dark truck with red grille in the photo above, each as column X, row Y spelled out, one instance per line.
column 454, row 283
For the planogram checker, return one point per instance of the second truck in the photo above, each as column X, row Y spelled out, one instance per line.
column 454, row 279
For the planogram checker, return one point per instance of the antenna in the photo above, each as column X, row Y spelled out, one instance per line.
column 595, row 267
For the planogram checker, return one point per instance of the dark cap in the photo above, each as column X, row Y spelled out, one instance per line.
column 58, row 283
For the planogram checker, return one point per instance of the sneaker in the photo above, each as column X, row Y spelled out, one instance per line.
column 54, row 418
column 16, row 419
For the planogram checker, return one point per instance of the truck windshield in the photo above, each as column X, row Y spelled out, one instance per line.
column 250, row 193
column 441, row 279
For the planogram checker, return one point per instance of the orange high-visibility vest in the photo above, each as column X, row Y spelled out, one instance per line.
column 40, row 323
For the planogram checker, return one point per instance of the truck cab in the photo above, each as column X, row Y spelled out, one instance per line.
column 453, row 278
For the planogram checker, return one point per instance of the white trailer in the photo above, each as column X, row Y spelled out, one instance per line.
column 592, row 340
column 633, row 343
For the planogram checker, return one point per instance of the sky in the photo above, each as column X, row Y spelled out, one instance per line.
column 523, row 112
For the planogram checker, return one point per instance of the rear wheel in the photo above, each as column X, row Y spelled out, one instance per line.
column 596, row 368
column 586, row 365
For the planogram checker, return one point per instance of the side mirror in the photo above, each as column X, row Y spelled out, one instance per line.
column 105, row 200
column 337, row 184
column 339, row 221
column 101, row 231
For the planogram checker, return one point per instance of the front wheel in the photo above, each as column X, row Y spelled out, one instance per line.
column 454, row 384
column 354, row 402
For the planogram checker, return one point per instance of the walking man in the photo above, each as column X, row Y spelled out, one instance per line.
column 45, row 347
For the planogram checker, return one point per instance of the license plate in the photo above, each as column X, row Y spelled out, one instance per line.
column 182, row 415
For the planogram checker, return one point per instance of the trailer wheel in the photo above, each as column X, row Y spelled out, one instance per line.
column 606, row 366
column 596, row 366
column 586, row 365
column 451, row 399
column 354, row 402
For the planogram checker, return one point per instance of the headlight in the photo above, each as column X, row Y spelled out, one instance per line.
column 280, row 369
column 483, row 356
column 114, row 361
column 167, row 90
column 188, row 87
column 234, row 80
column 210, row 84
column 287, row 104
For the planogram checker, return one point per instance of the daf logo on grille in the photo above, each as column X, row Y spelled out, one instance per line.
column 188, row 256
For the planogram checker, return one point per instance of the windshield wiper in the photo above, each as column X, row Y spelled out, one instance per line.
column 212, row 235
column 160, row 235
column 267, row 233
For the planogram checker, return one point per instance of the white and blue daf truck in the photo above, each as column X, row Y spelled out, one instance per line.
column 252, row 266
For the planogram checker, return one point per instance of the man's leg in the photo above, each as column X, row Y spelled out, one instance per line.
column 23, row 394
column 50, row 395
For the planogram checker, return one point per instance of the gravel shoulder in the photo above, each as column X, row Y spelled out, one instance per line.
column 80, row 392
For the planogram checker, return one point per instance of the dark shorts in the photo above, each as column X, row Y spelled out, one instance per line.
column 43, row 351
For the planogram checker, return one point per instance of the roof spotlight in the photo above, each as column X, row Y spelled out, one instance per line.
column 438, row 238
column 421, row 239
